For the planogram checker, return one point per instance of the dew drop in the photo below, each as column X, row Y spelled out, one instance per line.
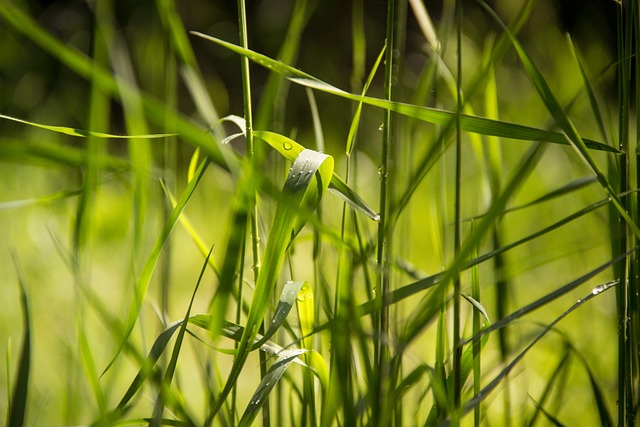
column 381, row 126
column 287, row 146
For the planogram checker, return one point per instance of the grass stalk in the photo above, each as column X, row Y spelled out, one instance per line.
column 457, row 348
column 625, row 410
column 253, row 198
column 381, row 406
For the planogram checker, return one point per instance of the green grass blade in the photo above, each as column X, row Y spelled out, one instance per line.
column 575, row 185
column 186, row 224
column 20, row 150
column 189, row 69
column 558, row 373
column 287, row 299
column 59, row 195
column 546, row 299
column 18, row 406
column 173, row 362
column 92, row 71
column 563, row 121
column 83, row 133
column 430, row 281
column 267, row 384
column 593, row 101
column 355, row 122
column 473, row 124
column 306, row 183
column 478, row 398
column 145, row 277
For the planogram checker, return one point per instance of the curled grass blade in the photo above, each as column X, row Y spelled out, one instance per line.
column 290, row 149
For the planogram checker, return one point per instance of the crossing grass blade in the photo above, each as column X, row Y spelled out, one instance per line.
column 478, row 398
column 563, row 121
column 474, row 124
column 104, row 79
column 143, row 281
column 173, row 362
column 270, row 380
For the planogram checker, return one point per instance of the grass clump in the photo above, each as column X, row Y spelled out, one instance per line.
column 165, row 215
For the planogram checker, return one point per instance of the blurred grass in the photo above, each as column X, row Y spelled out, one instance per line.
column 85, row 215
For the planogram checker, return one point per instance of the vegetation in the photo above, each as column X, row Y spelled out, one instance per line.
column 319, row 213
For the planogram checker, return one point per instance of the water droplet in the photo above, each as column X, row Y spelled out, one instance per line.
column 287, row 146
column 376, row 217
column 302, row 297
column 598, row 289
column 380, row 170
column 381, row 126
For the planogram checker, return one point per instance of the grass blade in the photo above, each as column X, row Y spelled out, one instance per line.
column 473, row 124
column 267, row 384
column 18, row 406
column 288, row 297
column 563, row 120
column 307, row 182
column 290, row 149
column 84, row 133
column 145, row 277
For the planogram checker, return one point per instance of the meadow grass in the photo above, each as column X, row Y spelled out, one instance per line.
column 218, row 216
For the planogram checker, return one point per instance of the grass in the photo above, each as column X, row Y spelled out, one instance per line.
column 447, row 197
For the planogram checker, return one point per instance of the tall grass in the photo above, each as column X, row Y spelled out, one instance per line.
column 448, row 210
